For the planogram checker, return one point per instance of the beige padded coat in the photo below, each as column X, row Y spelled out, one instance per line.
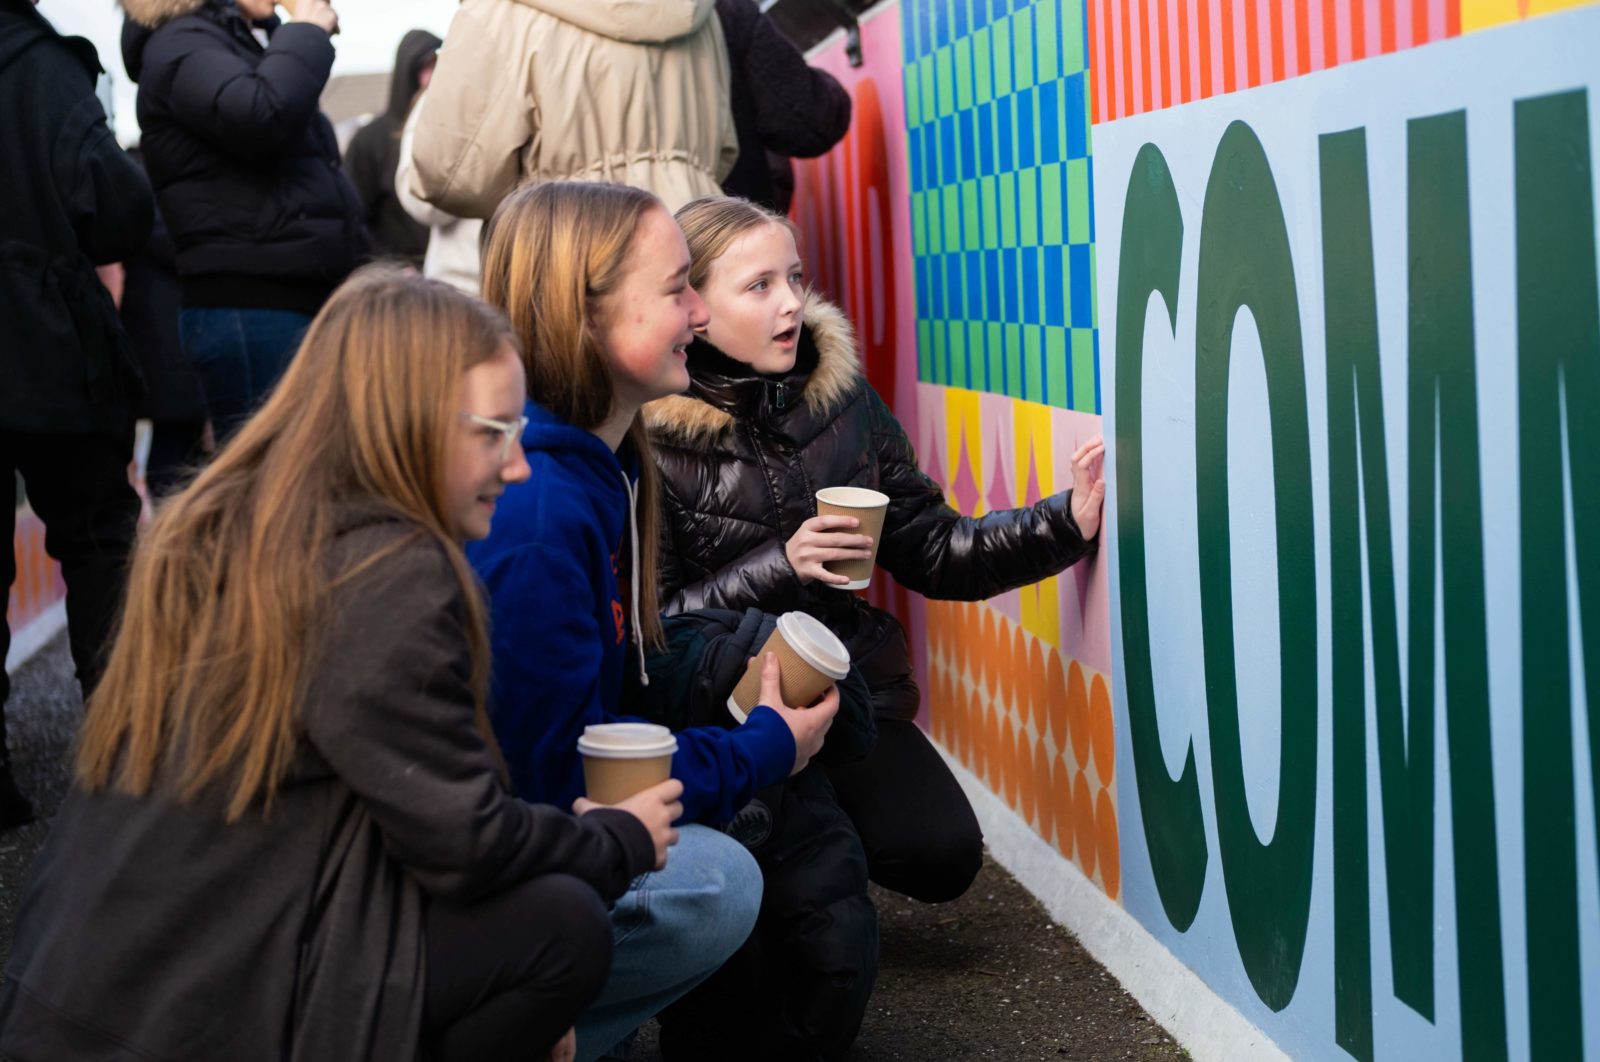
column 629, row 91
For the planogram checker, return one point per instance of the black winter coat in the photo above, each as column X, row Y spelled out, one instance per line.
column 780, row 104
column 742, row 457
column 151, row 929
column 374, row 155
column 70, row 199
column 799, row 987
column 245, row 166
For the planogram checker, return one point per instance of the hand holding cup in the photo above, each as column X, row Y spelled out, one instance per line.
column 657, row 807
column 317, row 12
column 809, row 726
column 822, row 539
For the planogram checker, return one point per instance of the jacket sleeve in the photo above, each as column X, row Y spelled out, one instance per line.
column 762, row 578
column 800, row 111
column 421, row 211
column 251, row 114
column 391, row 710
column 107, row 195
column 468, row 145
column 932, row 549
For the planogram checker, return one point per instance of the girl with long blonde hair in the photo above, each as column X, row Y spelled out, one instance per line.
column 593, row 278
column 289, row 837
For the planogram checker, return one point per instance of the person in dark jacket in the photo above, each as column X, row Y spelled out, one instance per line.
column 776, row 409
column 799, row 986
column 247, row 172
column 173, row 400
column 289, row 837
column 68, row 380
column 374, row 154
column 782, row 107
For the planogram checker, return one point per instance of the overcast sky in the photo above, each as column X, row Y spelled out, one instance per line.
column 369, row 32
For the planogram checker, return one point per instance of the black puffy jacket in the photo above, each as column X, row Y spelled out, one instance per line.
column 245, row 167
column 742, row 456
column 69, row 199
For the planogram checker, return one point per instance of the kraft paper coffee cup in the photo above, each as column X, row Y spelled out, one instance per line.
column 621, row 759
column 865, row 505
column 810, row 659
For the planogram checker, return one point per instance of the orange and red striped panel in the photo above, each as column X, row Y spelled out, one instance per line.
column 1148, row 55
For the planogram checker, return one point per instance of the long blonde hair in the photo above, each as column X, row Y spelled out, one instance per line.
column 230, row 582
column 554, row 255
column 711, row 224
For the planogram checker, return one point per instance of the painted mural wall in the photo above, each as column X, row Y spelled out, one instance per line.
column 1324, row 713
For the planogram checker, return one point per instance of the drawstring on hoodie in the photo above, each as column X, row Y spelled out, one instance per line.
column 633, row 580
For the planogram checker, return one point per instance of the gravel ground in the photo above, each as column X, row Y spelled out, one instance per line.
column 987, row 976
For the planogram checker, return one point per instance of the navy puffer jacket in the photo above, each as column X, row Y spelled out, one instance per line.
column 245, row 167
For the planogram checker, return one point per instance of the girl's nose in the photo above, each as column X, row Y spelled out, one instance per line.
column 699, row 313
column 516, row 468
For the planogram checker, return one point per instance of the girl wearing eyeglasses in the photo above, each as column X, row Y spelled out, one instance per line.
column 289, row 837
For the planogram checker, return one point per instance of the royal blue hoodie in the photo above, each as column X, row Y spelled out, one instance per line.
column 561, row 631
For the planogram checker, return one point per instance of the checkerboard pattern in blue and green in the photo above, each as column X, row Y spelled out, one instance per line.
column 997, row 112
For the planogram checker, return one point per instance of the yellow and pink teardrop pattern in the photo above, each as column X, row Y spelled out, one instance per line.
column 1034, row 725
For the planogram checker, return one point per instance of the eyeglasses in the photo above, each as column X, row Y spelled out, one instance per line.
column 510, row 430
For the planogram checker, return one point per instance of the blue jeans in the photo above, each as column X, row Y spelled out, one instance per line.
column 239, row 354
column 673, row 929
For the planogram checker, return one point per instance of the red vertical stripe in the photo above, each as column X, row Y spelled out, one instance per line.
column 1127, row 58
column 1275, row 26
column 1146, row 53
column 1168, row 97
column 1302, row 35
column 1108, row 83
column 1452, row 18
column 1203, row 16
column 1093, row 74
column 1386, row 30
column 1358, row 29
column 1419, row 22
column 1252, row 45
column 1330, row 33
column 1184, row 95
column 1230, row 80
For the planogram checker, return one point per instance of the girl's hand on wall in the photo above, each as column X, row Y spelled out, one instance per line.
column 820, row 540
column 808, row 725
column 657, row 807
column 1088, row 486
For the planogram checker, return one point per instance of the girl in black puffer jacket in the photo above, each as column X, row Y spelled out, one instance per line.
column 777, row 408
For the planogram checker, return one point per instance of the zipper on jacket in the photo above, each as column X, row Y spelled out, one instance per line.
column 780, row 394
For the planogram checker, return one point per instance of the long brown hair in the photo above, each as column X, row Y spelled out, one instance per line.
column 554, row 255
column 711, row 224
column 230, row 583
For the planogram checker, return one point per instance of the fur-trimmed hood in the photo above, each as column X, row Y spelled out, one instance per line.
column 152, row 13
column 692, row 419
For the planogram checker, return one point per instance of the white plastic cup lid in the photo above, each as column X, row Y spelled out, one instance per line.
column 627, row 741
column 853, row 497
column 815, row 643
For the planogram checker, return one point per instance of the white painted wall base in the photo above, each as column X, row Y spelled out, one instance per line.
column 35, row 634
column 1174, row 995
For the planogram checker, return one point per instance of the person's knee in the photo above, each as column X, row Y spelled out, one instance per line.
column 578, row 932
column 727, row 895
column 935, row 867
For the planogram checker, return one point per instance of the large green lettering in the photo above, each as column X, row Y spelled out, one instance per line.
column 1558, row 384
column 1443, row 418
column 1405, row 747
column 1151, row 253
column 1245, row 262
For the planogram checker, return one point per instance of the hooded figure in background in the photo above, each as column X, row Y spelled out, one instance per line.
column 374, row 153
column 576, row 90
